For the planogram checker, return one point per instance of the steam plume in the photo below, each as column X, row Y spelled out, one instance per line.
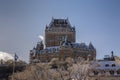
column 41, row 37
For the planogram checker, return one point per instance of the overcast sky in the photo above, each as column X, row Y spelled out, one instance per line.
column 96, row 21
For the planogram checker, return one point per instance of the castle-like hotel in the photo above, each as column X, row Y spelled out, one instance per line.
column 60, row 42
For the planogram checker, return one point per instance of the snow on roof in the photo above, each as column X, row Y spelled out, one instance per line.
column 60, row 22
column 106, row 65
column 52, row 47
column 80, row 45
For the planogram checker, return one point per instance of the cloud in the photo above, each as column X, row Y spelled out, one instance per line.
column 5, row 56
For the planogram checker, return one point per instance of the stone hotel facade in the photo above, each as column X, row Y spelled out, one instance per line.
column 60, row 42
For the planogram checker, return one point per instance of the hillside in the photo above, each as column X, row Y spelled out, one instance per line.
column 54, row 70
column 7, row 69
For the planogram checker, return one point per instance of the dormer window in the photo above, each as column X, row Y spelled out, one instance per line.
column 107, row 65
column 113, row 65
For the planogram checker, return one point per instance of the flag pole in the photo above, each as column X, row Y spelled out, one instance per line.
column 13, row 67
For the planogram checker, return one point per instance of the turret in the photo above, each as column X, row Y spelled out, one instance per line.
column 55, row 31
column 39, row 46
column 91, row 46
column 112, row 55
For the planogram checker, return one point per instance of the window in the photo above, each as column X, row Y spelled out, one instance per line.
column 118, row 71
column 113, row 65
column 107, row 65
column 111, row 72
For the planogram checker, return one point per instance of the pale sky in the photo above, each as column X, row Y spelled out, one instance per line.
column 96, row 21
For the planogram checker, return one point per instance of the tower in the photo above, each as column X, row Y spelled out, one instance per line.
column 57, row 30
column 39, row 46
column 65, row 49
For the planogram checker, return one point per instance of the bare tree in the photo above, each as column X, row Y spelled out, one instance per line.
column 79, row 71
column 66, row 70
